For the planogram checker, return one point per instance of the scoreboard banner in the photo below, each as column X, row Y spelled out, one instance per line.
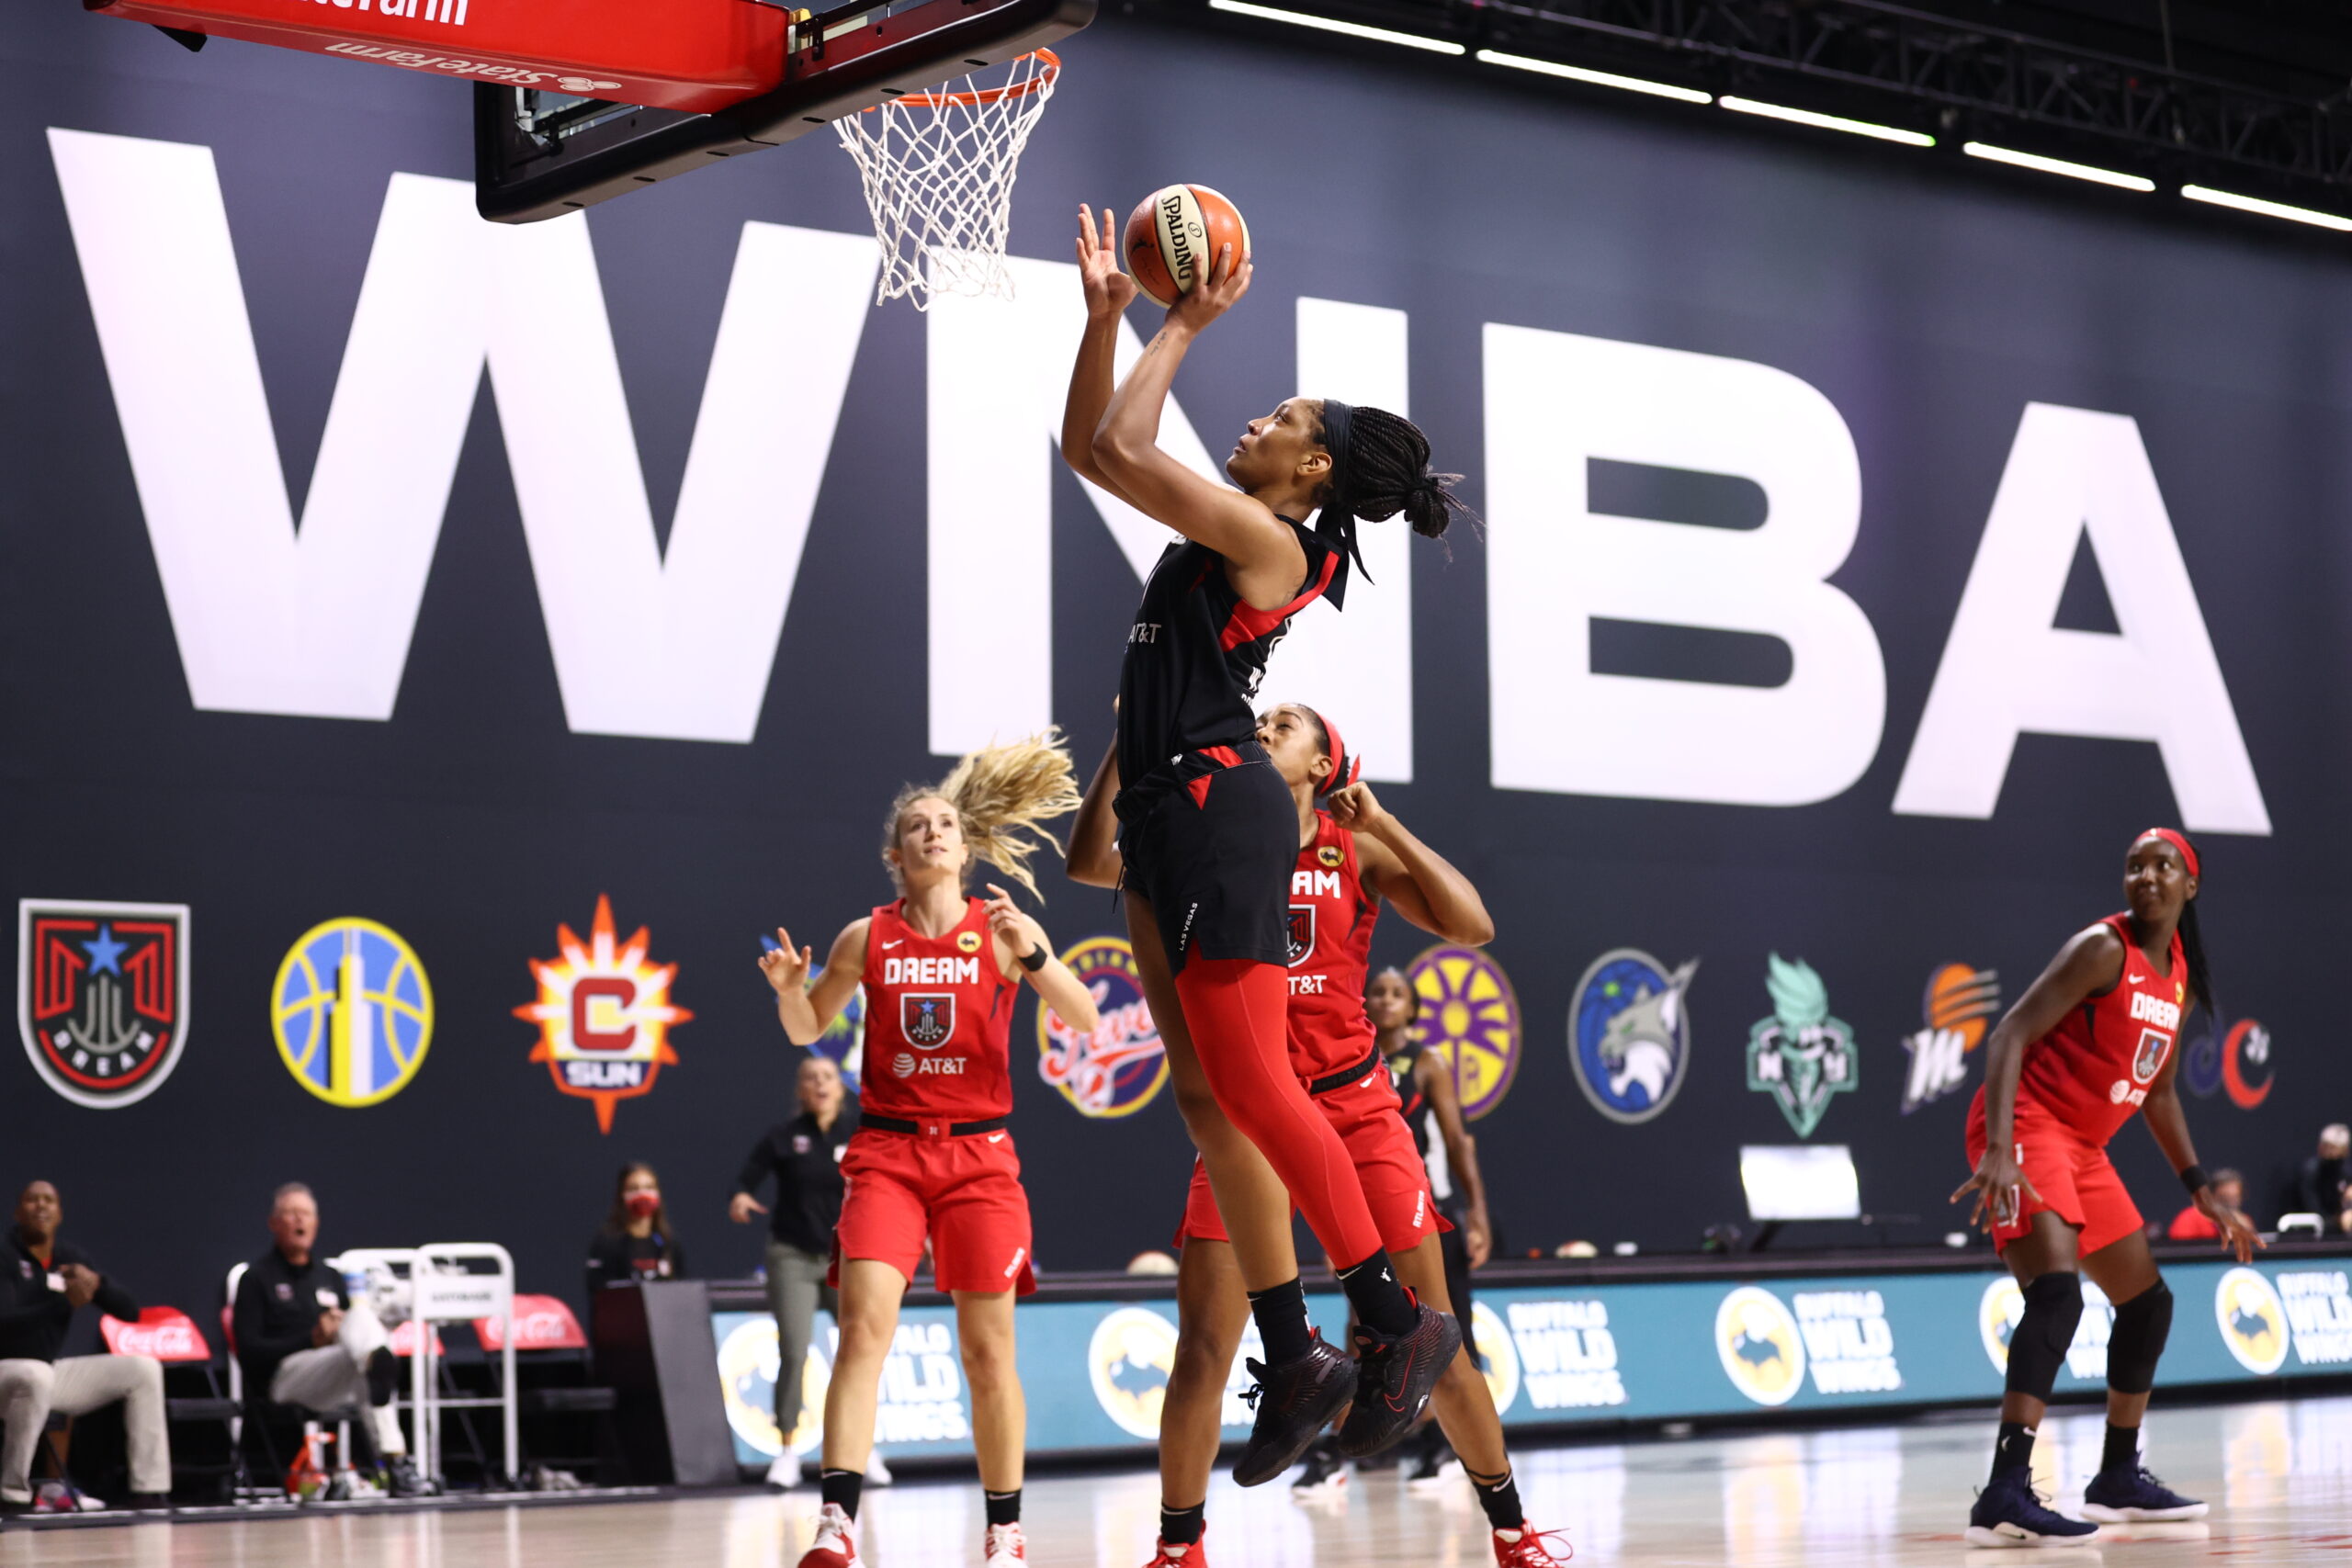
column 1096, row 1373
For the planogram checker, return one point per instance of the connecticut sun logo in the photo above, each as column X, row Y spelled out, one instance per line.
column 1470, row 1017
column 1127, row 1360
column 1758, row 1341
column 1117, row 1070
column 2253, row 1321
column 605, row 1015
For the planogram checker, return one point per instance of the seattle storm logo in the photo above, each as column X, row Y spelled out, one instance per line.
column 1800, row 1055
column 1629, row 1034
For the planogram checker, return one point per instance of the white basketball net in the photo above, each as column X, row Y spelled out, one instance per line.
column 938, row 170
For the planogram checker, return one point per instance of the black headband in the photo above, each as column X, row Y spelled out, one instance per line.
column 1335, row 521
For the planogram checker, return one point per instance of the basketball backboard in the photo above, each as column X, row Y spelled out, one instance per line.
column 539, row 154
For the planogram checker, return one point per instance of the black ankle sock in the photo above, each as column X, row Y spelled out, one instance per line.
column 1501, row 1499
column 1280, row 1314
column 2013, row 1449
column 2122, row 1450
column 1004, row 1507
column 1181, row 1527
column 842, row 1486
column 1380, row 1301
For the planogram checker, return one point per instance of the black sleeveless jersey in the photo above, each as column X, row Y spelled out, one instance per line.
column 1413, row 1106
column 1197, row 651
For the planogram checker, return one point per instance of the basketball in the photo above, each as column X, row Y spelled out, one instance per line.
column 1174, row 235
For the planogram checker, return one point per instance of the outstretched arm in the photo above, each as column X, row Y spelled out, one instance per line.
column 1421, row 882
column 805, row 1011
column 2091, row 962
column 2169, row 1126
column 1109, row 291
column 1093, row 858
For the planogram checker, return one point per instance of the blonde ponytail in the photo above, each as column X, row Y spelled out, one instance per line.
column 1003, row 795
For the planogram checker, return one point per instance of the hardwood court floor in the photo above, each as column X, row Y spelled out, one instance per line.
column 2278, row 1474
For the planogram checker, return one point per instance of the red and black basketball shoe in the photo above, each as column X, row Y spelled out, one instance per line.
column 1394, row 1377
column 1296, row 1400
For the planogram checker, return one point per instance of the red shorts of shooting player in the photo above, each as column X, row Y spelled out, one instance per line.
column 2076, row 1180
column 963, row 1194
column 1388, row 1165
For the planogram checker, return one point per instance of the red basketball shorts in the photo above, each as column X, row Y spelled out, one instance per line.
column 1388, row 1165
column 2076, row 1179
column 962, row 1194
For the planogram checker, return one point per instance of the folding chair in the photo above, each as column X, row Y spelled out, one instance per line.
column 170, row 1335
column 554, row 1374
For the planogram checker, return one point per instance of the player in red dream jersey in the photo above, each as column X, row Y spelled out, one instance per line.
column 932, row 1158
column 1349, row 856
column 2093, row 1040
column 1205, row 828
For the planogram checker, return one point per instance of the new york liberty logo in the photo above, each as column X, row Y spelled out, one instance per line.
column 1800, row 1055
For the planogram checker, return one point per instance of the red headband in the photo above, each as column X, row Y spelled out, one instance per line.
column 1345, row 770
column 2187, row 855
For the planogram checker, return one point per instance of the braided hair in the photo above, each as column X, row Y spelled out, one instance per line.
column 1381, row 467
column 2192, row 953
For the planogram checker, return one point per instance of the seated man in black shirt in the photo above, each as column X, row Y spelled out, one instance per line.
column 43, row 1281
column 301, row 1340
column 804, row 1155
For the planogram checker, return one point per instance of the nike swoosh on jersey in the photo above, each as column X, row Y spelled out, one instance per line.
column 889, row 945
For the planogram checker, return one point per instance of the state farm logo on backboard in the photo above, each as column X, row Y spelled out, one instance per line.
column 604, row 1014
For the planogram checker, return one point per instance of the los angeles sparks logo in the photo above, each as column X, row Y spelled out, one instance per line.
column 1761, row 1351
column 2252, row 1319
column 1117, row 1070
column 1128, row 1360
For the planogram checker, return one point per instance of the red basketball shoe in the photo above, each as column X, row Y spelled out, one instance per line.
column 1527, row 1549
column 833, row 1547
column 1193, row 1556
column 1005, row 1547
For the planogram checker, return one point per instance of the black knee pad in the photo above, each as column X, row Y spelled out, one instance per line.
column 2141, row 1326
column 2053, row 1306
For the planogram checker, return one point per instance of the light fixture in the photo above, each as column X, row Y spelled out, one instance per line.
column 1828, row 121
column 1579, row 74
column 1329, row 25
column 2058, row 166
column 2268, row 208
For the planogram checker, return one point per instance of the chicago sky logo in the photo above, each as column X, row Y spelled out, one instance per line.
column 604, row 1014
column 1629, row 1034
column 1118, row 1069
column 102, row 995
column 1470, row 1016
column 1800, row 1055
column 1958, row 1009
column 352, row 1011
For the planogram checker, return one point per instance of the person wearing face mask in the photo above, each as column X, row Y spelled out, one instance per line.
column 634, row 1242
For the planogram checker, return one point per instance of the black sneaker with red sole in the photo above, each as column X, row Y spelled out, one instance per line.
column 1296, row 1400
column 1394, row 1377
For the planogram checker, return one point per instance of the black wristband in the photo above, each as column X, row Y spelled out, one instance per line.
column 2195, row 1179
column 1034, row 959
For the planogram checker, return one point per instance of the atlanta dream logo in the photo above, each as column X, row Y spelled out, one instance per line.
column 102, row 995
column 1118, row 1069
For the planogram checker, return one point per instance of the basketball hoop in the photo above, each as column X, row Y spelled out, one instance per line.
column 938, row 170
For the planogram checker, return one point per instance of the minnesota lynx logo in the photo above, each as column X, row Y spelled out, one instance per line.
column 1800, row 1055
column 927, row 1021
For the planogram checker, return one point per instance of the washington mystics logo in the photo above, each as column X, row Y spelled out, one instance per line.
column 102, row 995
column 1629, row 1034
column 1118, row 1069
column 927, row 1019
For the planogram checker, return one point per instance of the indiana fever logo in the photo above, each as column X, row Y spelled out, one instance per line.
column 1127, row 1360
column 2252, row 1319
column 1117, row 1070
column 1758, row 1344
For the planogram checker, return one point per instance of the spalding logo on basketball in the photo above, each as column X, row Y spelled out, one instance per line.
column 1173, row 237
column 1759, row 1347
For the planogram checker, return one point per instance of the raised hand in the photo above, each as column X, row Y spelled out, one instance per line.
column 1358, row 809
column 1109, row 291
column 1012, row 928
column 1212, row 296
column 786, row 966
